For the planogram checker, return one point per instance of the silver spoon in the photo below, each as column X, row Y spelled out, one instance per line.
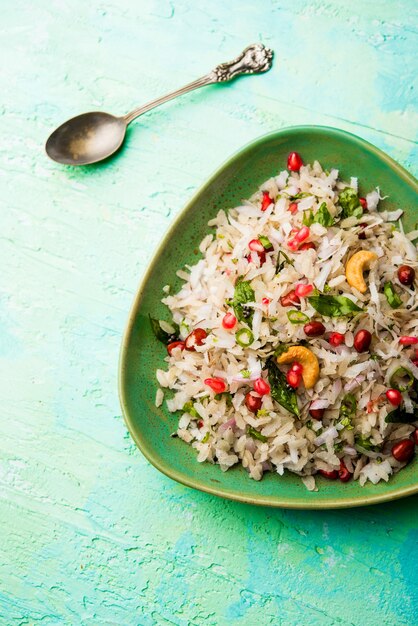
column 94, row 136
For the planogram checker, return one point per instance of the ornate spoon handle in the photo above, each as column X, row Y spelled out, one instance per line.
column 253, row 60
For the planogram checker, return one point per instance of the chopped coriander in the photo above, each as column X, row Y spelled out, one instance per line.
column 265, row 242
column 245, row 373
column 254, row 433
column 205, row 438
column 189, row 408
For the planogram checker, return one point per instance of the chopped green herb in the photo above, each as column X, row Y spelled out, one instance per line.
column 263, row 412
column 375, row 357
column 205, row 438
column 234, row 261
column 280, row 390
column 327, row 288
column 243, row 293
column 300, row 195
column 226, row 395
column 333, row 306
column 346, row 422
column 297, row 317
column 323, row 216
column 280, row 263
column 348, row 410
column 391, row 296
column 245, row 373
column 189, row 408
column 254, row 433
column 220, row 236
column 161, row 334
column 402, row 379
column 364, row 442
column 350, row 204
column 348, row 406
column 308, row 218
column 309, row 424
column 244, row 337
column 265, row 242
column 338, row 447
column 230, row 244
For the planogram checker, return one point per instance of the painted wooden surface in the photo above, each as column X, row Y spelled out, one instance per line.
column 91, row 533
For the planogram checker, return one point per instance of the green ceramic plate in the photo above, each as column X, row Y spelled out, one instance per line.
column 142, row 354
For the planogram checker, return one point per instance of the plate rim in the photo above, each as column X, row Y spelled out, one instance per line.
column 184, row 479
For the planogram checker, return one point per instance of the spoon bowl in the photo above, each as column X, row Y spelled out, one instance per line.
column 92, row 137
column 87, row 138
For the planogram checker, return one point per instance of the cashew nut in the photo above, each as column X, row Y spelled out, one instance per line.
column 307, row 359
column 359, row 262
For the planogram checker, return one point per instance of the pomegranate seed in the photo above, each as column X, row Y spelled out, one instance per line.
column 408, row 341
column 332, row 475
column 175, row 344
column 415, row 436
column 266, row 201
column 406, row 275
column 308, row 245
column 371, row 406
column 253, row 403
column 293, row 207
column 229, row 321
column 195, row 338
column 362, row 234
column 336, row 339
column 415, row 362
column 403, row 451
column 261, row 386
column 261, row 256
column 394, row 396
column 216, row 384
column 317, row 414
column 292, row 244
column 314, row 329
column 303, row 290
column 265, row 301
column 303, row 234
column 200, row 423
column 256, row 246
column 343, row 473
column 294, row 162
column 293, row 378
column 296, row 367
column 290, row 299
column 363, row 203
column 362, row 340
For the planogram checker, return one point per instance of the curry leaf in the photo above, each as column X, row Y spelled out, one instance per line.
column 161, row 334
column 280, row 390
column 333, row 306
column 400, row 416
column 243, row 294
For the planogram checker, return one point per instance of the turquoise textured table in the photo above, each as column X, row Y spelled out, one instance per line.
column 91, row 534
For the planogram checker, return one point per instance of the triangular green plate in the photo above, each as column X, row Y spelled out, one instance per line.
column 142, row 354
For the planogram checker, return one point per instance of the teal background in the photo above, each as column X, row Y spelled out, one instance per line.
column 90, row 532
